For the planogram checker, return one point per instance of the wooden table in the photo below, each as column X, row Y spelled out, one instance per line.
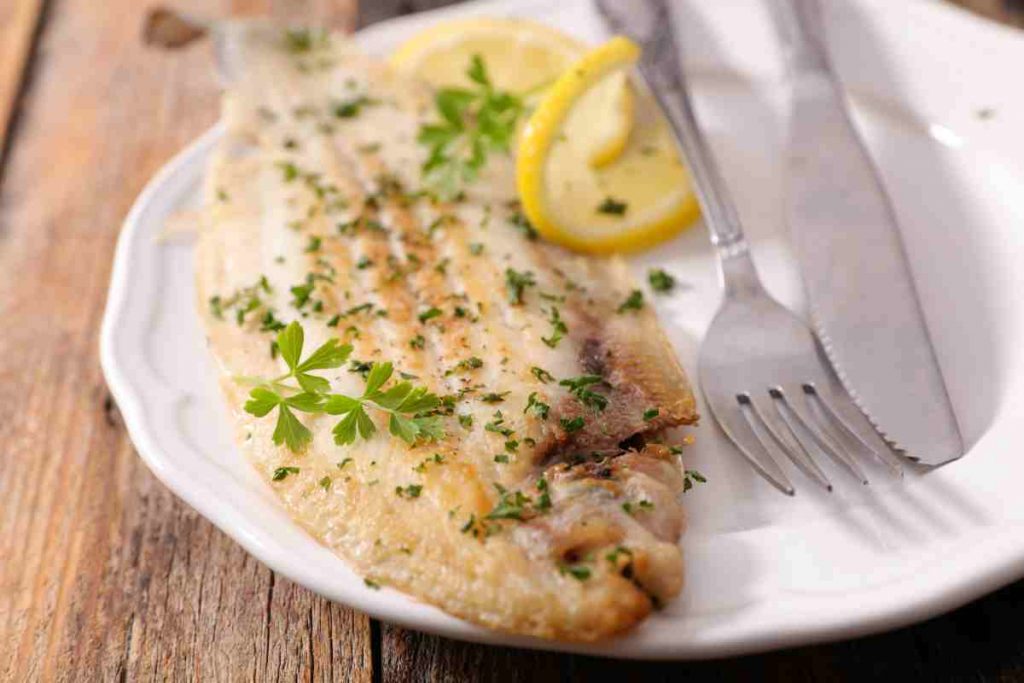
column 104, row 574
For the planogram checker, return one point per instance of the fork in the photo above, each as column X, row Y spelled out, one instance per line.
column 767, row 384
column 760, row 367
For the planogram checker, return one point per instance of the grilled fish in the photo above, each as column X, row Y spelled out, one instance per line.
column 546, row 501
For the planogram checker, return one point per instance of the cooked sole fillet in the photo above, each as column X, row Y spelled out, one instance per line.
column 304, row 192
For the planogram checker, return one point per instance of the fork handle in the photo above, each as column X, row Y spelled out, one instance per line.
column 660, row 68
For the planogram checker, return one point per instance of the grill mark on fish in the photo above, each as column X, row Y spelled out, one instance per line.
column 371, row 335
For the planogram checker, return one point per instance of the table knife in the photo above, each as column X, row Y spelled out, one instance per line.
column 858, row 281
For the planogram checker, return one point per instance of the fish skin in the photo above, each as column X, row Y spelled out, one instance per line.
column 510, row 575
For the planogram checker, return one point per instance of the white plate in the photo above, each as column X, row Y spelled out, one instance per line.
column 935, row 94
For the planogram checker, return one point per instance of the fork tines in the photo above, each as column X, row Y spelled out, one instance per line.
column 800, row 434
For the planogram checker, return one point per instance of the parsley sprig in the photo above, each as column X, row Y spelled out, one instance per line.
column 405, row 404
column 473, row 123
column 408, row 407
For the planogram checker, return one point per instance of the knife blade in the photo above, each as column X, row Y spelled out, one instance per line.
column 858, row 282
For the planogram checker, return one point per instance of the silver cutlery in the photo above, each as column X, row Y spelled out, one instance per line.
column 862, row 297
column 760, row 368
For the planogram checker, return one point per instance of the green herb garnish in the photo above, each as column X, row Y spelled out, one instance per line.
column 558, row 328
column 516, row 283
column 410, row 491
column 436, row 458
column 578, row 387
column 408, row 407
column 544, row 499
column 511, row 504
column 630, row 509
column 577, row 571
column 429, row 314
column 472, row 124
column 692, row 478
column 289, row 171
column 542, row 375
column 282, row 472
column 612, row 206
column 660, row 280
column 521, row 223
column 620, row 551
column 471, row 363
column 572, row 425
column 634, row 302
column 303, row 40
column 350, row 108
column 540, row 409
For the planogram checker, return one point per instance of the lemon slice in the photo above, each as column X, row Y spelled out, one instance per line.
column 524, row 58
column 641, row 198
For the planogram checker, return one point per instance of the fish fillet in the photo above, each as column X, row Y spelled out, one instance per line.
column 314, row 216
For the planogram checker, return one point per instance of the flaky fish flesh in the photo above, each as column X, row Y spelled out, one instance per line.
column 537, row 493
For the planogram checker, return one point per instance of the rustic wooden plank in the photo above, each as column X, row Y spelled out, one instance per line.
column 18, row 23
column 105, row 575
column 411, row 656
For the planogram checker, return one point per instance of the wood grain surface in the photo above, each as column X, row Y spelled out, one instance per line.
column 18, row 24
column 104, row 575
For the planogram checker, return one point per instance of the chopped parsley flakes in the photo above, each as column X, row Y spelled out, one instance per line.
column 578, row 387
column 573, row 425
column 691, row 478
column 429, row 314
column 542, row 375
column 612, row 206
column 558, row 328
column 282, row 472
column 516, row 283
column 540, row 409
column 634, row 302
column 579, row 572
column 660, row 281
column 410, row 491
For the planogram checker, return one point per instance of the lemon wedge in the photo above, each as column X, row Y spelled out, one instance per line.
column 524, row 58
column 641, row 197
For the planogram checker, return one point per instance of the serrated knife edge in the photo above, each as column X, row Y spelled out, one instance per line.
column 863, row 300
